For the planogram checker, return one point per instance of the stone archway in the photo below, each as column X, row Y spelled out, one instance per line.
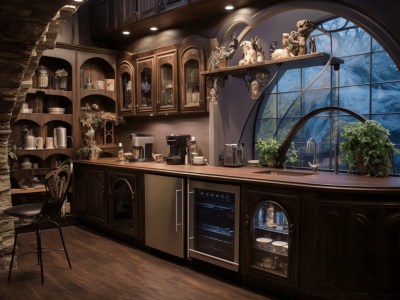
column 27, row 28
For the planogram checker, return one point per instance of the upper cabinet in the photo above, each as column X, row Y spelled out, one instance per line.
column 167, row 82
column 153, row 82
column 126, row 88
column 102, row 17
column 157, row 83
column 165, row 5
column 147, row 8
column 192, row 91
column 127, row 11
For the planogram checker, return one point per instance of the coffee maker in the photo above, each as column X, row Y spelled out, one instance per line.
column 142, row 147
column 178, row 145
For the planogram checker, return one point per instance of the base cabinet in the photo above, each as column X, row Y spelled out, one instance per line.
column 269, row 239
column 357, row 254
column 110, row 200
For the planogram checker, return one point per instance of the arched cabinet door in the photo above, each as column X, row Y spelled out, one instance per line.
column 192, row 85
column 123, row 203
column 126, row 86
column 270, row 237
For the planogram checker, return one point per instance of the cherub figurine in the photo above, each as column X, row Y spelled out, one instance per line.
column 249, row 54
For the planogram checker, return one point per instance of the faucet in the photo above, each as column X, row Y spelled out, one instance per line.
column 314, row 165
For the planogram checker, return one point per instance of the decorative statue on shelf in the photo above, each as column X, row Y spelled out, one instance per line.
column 249, row 53
column 304, row 29
column 295, row 42
column 259, row 50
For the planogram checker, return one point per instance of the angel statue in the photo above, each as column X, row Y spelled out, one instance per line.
column 249, row 54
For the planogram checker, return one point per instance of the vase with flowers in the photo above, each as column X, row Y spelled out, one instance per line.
column 93, row 118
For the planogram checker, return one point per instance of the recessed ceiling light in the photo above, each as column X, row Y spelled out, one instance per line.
column 126, row 32
column 229, row 7
column 153, row 28
column 78, row 0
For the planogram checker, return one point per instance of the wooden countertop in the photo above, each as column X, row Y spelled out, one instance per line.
column 297, row 178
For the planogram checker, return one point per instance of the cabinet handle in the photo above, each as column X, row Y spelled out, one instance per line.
column 246, row 221
column 176, row 210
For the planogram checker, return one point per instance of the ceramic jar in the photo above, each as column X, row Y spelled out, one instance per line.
column 26, row 164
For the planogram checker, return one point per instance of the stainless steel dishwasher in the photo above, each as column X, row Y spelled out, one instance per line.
column 164, row 214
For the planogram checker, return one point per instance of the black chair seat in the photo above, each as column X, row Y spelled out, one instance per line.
column 24, row 210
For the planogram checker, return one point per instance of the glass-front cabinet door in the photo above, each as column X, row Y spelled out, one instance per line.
column 270, row 241
column 126, row 88
column 145, row 103
column 167, row 100
column 192, row 85
column 270, row 238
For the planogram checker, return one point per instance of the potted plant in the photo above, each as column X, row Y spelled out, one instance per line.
column 269, row 150
column 366, row 148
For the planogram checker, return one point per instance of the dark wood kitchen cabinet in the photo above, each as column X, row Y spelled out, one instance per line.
column 110, row 200
column 269, row 238
column 157, row 83
column 127, row 11
column 358, row 248
column 126, row 88
column 192, row 85
column 90, row 194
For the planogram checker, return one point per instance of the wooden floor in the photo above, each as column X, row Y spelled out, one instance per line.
column 105, row 269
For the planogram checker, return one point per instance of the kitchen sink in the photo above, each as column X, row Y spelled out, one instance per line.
column 286, row 172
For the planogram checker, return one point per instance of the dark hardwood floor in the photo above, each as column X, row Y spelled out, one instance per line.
column 105, row 269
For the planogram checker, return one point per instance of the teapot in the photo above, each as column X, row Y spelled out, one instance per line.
column 30, row 141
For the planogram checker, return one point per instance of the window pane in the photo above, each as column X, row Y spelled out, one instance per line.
column 322, row 42
column 355, row 98
column 310, row 75
column 385, row 98
column 288, row 105
column 265, row 128
column 351, row 42
column 376, row 46
column 383, row 68
column 392, row 123
column 290, row 81
column 355, row 70
column 316, row 99
column 268, row 106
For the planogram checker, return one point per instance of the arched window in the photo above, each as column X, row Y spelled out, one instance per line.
column 368, row 83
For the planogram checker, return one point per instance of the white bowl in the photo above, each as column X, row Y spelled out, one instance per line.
column 198, row 160
column 56, row 110
column 264, row 241
column 27, row 110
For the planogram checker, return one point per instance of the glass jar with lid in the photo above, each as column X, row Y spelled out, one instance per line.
column 42, row 77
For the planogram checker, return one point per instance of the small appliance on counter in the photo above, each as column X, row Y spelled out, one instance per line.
column 142, row 147
column 233, row 155
column 178, row 148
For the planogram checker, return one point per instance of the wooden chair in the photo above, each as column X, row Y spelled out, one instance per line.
column 40, row 215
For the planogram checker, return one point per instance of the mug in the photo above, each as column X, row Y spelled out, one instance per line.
column 39, row 142
column 158, row 157
column 49, row 142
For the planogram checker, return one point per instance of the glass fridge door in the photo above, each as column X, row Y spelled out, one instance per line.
column 270, row 239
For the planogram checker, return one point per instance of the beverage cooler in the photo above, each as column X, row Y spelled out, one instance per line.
column 213, row 227
column 269, row 247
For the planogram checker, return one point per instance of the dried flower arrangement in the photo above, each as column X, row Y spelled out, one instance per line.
column 92, row 118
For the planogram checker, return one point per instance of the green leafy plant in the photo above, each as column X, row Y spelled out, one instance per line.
column 366, row 148
column 269, row 150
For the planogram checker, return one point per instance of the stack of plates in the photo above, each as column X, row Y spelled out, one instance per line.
column 56, row 110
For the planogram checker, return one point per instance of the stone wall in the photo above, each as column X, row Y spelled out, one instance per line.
column 27, row 28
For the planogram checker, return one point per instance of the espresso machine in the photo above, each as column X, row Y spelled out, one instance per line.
column 142, row 147
column 178, row 148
